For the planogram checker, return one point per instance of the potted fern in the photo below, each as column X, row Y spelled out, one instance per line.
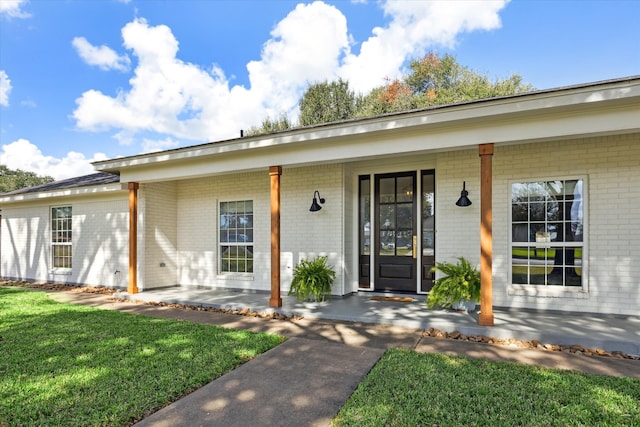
column 312, row 279
column 458, row 288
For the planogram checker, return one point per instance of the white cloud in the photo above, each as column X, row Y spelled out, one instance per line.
column 415, row 27
column 176, row 99
column 167, row 96
column 13, row 8
column 5, row 88
column 305, row 47
column 101, row 56
column 150, row 145
column 22, row 154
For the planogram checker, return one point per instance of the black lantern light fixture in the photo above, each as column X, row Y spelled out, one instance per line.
column 315, row 207
column 464, row 200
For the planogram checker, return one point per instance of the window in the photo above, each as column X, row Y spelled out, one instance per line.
column 236, row 237
column 547, row 232
column 364, row 232
column 61, row 239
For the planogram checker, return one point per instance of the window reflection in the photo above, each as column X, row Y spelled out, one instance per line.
column 547, row 232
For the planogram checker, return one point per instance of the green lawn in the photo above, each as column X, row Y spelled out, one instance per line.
column 71, row 365
column 63, row 364
column 406, row 388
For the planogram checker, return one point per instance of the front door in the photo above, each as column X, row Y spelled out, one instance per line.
column 394, row 237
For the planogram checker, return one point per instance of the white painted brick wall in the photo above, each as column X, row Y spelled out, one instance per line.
column 457, row 228
column 198, row 202
column 25, row 240
column 611, row 166
column 100, row 241
column 160, row 235
column 303, row 233
column 308, row 234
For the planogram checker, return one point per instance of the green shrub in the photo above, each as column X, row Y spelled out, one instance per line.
column 312, row 279
column 461, row 282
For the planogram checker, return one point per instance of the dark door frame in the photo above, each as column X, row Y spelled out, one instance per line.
column 394, row 239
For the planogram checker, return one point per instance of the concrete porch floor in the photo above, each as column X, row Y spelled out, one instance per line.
column 607, row 332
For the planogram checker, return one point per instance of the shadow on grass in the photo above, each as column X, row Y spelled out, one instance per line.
column 69, row 365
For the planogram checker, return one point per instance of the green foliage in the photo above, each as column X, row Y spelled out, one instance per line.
column 461, row 282
column 312, row 279
column 72, row 365
column 436, row 80
column 433, row 80
column 395, row 96
column 327, row 102
column 406, row 388
column 16, row 179
column 270, row 125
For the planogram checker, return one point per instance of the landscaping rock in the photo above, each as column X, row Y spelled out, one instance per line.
column 533, row 344
column 431, row 332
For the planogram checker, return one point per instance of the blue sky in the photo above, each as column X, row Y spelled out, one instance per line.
column 87, row 80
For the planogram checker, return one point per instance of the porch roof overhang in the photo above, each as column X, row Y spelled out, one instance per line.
column 604, row 108
column 88, row 185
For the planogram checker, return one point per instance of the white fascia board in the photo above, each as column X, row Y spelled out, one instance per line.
column 69, row 192
column 515, row 131
column 442, row 128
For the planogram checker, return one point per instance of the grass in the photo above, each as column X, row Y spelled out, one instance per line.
column 72, row 365
column 406, row 388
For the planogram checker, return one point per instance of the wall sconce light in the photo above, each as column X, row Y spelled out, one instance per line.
column 464, row 200
column 315, row 207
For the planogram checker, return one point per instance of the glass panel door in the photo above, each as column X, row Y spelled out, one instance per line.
column 395, row 234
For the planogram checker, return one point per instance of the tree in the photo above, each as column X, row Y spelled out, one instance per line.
column 394, row 96
column 15, row 179
column 270, row 125
column 327, row 102
column 436, row 80
column 433, row 80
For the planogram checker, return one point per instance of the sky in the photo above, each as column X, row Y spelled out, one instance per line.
column 90, row 80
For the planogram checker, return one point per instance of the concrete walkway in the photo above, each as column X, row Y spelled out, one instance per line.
column 611, row 333
column 306, row 380
column 299, row 383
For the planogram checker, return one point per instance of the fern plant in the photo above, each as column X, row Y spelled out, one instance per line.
column 312, row 279
column 460, row 282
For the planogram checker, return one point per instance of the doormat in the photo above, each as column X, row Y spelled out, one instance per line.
column 395, row 299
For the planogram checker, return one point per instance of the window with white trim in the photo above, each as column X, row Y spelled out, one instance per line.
column 61, row 237
column 547, row 232
column 236, row 237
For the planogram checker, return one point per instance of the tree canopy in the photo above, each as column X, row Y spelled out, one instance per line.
column 432, row 80
column 436, row 80
column 11, row 179
column 270, row 125
column 327, row 102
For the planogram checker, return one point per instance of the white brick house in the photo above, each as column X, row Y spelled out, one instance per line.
column 558, row 171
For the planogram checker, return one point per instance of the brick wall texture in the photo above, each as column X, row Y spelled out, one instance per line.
column 178, row 228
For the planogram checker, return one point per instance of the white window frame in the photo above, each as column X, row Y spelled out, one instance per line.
column 61, row 239
column 229, row 238
column 545, row 290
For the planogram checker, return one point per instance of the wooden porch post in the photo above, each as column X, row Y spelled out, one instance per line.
column 133, row 238
column 274, row 173
column 486, row 236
